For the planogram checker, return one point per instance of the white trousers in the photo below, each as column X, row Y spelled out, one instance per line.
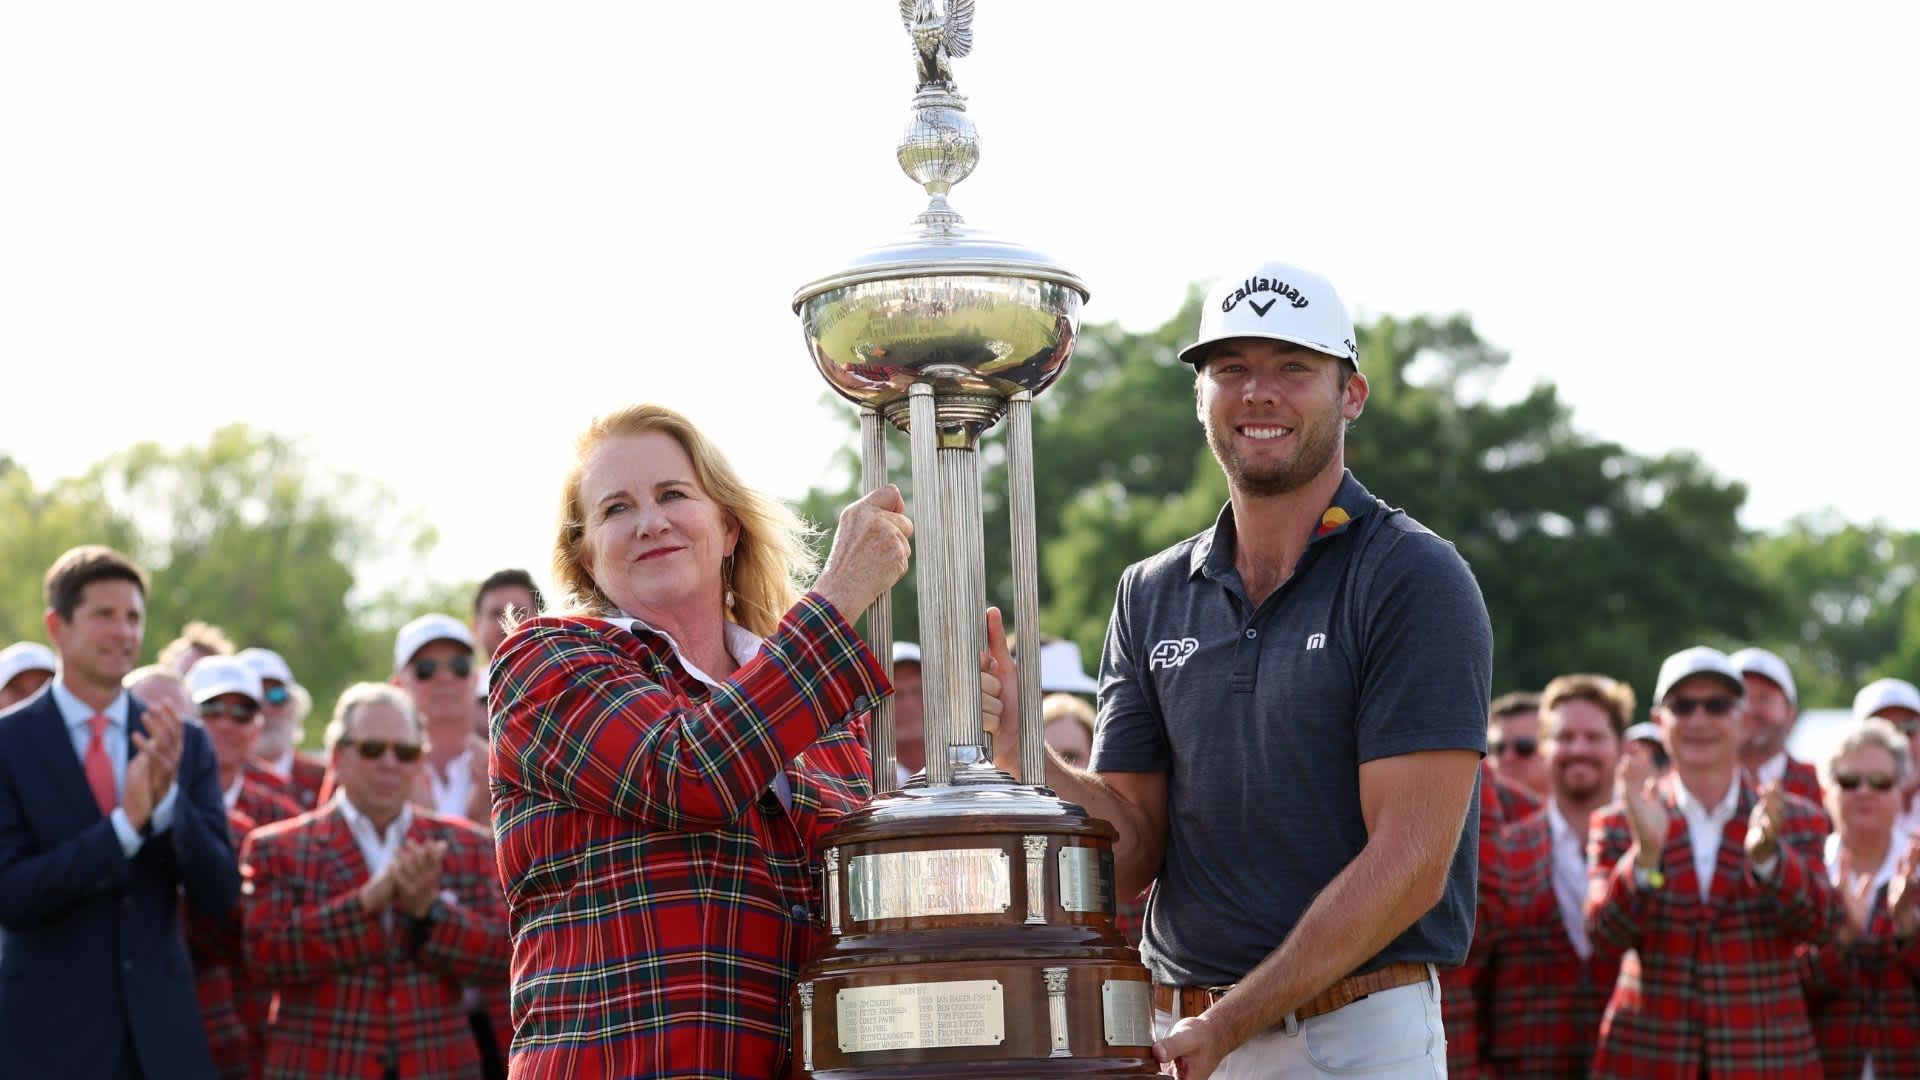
column 1391, row 1035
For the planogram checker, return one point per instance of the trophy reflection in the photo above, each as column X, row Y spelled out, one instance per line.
column 969, row 915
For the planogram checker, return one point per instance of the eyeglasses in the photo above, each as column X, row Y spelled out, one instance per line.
column 278, row 695
column 239, row 713
column 1715, row 706
column 461, row 666
column 1521, row 745
column 403, row 752
column 1851, row 781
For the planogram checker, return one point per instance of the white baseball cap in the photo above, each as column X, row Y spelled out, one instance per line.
column 1644, row 731
column 1278, row 302
column 267, row 664
column 1061, row 671
column 216, row 675
column 1699, row 660
column 906, row 652
column 1883, row 694
column 1753, row 661
column 426, row 630
column 24, row 656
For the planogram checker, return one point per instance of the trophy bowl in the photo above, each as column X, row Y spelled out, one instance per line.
column 1006, row 327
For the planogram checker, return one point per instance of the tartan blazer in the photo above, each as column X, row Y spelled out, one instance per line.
column 1802, row 779
column 661, row 899
column 213, row 946
column 1463, row 988
column 1543, row 1003
column 355, row 991
column 1712, row 985
column 1865, row 999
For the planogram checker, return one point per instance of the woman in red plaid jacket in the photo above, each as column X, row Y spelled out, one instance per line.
column 665, row 767
column 1863, row 990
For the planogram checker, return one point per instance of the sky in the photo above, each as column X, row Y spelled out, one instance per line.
column 432, row 240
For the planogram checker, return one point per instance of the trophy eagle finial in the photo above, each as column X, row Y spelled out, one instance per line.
column 940, row 31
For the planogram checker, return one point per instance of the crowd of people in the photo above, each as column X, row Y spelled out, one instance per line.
column 584, row 838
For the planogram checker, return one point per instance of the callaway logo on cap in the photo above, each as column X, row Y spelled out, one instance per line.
column 1278, row 302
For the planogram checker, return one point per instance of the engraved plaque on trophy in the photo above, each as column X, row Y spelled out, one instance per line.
column 969, row 925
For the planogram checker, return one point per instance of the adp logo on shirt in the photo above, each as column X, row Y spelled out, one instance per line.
column 1171, row 652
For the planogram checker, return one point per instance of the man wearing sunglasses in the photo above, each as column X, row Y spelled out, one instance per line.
column 275, row 751
column 226, row 697
column 368, row 915
column 1513, row 747
column 1772, row 708
column 1714, row 884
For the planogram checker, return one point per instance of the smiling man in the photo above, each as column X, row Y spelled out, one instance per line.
column 1291, row 720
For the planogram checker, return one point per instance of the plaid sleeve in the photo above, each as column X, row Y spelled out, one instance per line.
column 468, row 938
column 581, row 722
column 1806, row 904
column 290, row 937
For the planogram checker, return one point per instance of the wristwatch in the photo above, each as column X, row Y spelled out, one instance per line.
column 1649, row 879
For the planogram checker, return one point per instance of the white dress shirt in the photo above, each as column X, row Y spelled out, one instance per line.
column 450, row 794
column 1569, row 850
column 377, row 847
column 281, row 766
column 232, row 794
column 1706, row 831
column 76, row 714
column 743, row 645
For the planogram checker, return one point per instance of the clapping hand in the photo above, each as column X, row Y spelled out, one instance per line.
column 1646, row 814
column 416, row 875
column 1765, row 824
column 155, row 763
column 1903, row 893
column 1856, row 900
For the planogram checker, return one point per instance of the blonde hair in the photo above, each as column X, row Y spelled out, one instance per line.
column 769, row 560
column 1066, row 707
column 154, row 671
column 1872, row 731
column 1612, row 696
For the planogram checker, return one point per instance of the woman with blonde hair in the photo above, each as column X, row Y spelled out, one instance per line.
column 668, row 754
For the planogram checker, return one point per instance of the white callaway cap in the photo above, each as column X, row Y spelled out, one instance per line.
column 24, row 656
column 212, row 676
column 1885, row 694
column 1763, row 663
column 267, row 664
column 1278, row 302
column 1061, row 672
column 1699, row 660
column 424, row 631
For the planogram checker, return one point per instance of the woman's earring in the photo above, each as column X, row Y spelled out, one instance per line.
column 726, row 576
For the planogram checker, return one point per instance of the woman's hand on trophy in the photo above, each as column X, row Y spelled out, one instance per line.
column 870, row 552
column 1000, row 695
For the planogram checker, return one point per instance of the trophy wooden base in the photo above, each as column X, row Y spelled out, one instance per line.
column 969, row 933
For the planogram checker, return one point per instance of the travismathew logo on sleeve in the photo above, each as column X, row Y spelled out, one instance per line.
column 1255, row 285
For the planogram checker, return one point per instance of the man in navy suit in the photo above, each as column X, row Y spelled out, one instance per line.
column 108, row 811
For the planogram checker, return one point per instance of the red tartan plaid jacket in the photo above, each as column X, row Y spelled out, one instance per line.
column 1714, row 983
column 1543, row 1003
column 355, row 993
column 661, row 899
column 1463, row 989
column 1865, row 999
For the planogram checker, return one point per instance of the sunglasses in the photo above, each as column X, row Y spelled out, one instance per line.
column 461, row 666
column 1715, row 706
column 1909, row 728
column 1851, row 781
column 403, row 752
column 229, row 710
column 278, row 695
column 1521, row 745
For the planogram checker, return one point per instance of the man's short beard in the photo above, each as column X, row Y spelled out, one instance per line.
column 1307, row 463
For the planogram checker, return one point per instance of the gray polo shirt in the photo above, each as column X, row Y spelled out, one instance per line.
column 1377, row 646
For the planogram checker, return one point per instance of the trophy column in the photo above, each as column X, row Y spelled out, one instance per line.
column 968, row 925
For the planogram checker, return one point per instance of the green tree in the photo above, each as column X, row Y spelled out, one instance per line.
column 244, row 532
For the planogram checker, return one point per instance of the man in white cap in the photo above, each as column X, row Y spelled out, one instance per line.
column 25, row 667
column 1714, row 884
column 433, row 662
column 1773, row 705
column 1320, row 663
column 1897, row 702
column 276, row 751
column 226, row 696
column 1061, row 671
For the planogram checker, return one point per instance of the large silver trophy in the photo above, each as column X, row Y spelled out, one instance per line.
column 969, row 914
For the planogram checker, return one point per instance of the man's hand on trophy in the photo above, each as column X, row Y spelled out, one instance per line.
column 1000, row 695
column 870, row 552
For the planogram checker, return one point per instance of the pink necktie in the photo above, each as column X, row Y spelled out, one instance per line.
column 99, row 769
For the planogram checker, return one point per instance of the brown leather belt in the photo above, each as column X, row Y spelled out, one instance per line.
column 1195, row 1000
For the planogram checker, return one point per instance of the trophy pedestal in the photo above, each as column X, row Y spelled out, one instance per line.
column 969, row 933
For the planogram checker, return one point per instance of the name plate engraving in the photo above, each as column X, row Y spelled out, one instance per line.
column 917, row 1016
column 909, row 884
column 1086, row 879
column 1126, row 1011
